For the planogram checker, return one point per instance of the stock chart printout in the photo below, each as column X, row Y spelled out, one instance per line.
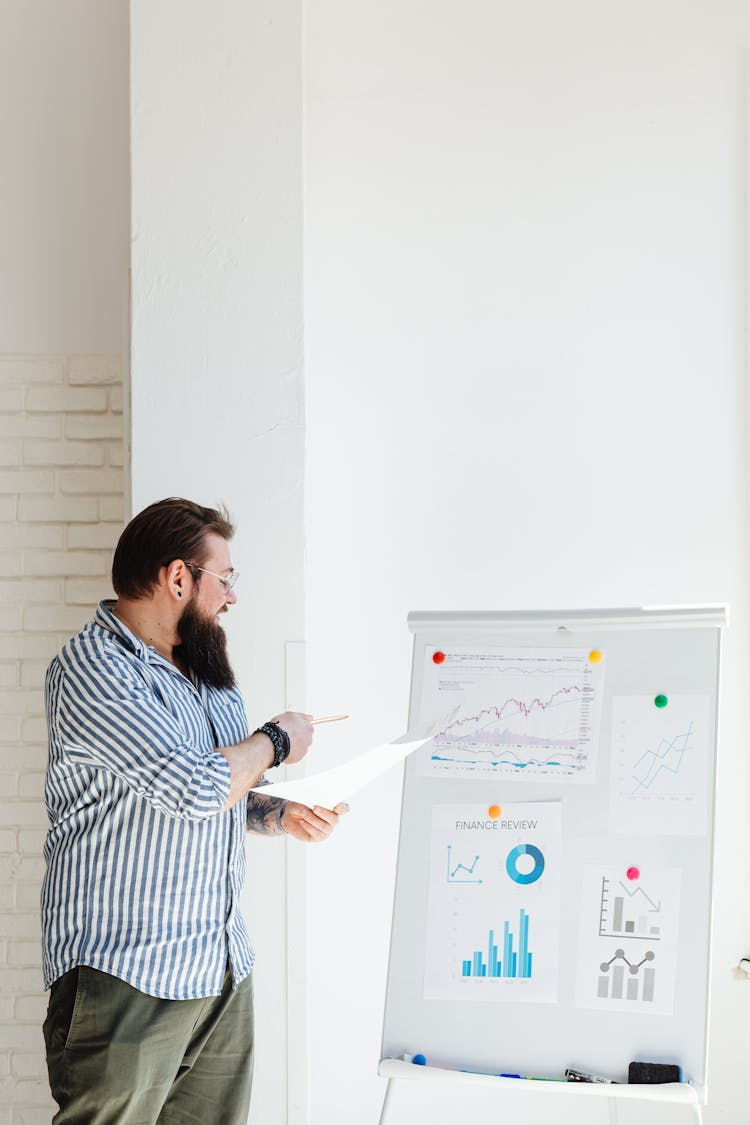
column 628, row 939
column 659, row 780
column 494, row 902
column 528, row 713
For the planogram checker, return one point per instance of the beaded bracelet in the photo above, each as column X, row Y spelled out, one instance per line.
column 280, row 740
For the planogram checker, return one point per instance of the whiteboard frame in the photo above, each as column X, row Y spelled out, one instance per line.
column 667, row 617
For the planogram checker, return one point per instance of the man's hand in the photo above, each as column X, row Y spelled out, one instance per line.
column 310, row 825
column 300, row 731
column 249, row 759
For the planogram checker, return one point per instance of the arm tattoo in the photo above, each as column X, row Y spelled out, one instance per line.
column 264, row 814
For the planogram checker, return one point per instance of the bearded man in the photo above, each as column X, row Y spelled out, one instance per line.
column 151, row 760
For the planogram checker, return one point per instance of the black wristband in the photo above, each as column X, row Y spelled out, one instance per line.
column 280, row 740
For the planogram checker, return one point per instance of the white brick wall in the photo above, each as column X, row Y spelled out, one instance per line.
column 61, row 510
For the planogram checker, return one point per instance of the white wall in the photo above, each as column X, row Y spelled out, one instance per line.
column 217, row 397
column 525, row 308
column 525, row 294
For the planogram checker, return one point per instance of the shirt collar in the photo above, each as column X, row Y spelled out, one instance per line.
column 105, row 617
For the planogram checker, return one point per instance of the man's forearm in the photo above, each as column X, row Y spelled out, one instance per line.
column 264, row 814
column 248, row 761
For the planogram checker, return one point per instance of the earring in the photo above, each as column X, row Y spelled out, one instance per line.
column 179, row 593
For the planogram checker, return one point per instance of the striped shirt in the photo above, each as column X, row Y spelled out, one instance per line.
column 144, row 870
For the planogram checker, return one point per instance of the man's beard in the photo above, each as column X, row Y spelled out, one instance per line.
column 203, row 648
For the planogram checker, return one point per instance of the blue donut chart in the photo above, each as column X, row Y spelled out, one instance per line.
column 511, row 864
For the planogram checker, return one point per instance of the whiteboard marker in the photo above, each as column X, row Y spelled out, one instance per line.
column 580, row 1076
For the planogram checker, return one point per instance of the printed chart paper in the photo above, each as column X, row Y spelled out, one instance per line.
column 628, row 939
column 659, row 782
column 531, row 713
column 494, row 902
column 327, row 788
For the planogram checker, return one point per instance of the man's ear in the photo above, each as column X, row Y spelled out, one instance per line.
column 176, row 579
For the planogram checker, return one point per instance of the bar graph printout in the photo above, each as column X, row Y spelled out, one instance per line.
column 494, row 902
column 659, row 781
column 628, row 939
column 527, row 713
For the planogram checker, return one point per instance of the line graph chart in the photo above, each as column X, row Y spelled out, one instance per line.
column 460, row 872
column 525, row 712
column 659, row 780
column 668, row 757
column 616, row 984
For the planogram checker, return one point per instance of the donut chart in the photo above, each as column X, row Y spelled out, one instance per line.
column 511, row 864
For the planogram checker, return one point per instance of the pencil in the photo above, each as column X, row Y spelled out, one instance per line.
column 329, row 719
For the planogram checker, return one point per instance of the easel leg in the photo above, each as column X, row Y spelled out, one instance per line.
column 386, row 1099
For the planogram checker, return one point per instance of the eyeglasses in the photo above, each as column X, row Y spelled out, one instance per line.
column 227, row 580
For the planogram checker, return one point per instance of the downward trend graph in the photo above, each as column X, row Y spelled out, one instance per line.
column 628, row 912
column 533, row 711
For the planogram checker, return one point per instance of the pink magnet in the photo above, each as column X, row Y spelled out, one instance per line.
column 633, row 873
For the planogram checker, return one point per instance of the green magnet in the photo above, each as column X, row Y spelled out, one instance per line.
column 661, row 701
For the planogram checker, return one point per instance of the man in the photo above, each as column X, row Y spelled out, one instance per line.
column 150, row 762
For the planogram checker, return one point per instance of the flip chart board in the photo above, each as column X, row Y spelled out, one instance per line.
column 553, row 893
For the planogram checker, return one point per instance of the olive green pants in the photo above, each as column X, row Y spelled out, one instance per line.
column 117, row 1056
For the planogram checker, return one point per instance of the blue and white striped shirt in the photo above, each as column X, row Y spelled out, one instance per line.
column 144, row 870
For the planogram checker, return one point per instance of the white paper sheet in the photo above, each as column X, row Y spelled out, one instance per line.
column 494, row 902
column 329, row 787
column 531, row 714
column 628, row 939
column 659, row 782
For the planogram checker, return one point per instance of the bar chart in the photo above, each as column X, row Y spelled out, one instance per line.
column 628, row 913
column 637, row 984
column 514, row 963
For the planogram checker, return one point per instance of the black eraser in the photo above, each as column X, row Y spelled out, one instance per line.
column 650, row 1073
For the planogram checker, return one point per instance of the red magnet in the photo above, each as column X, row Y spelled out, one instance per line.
column 438, row 657
column 633, row 873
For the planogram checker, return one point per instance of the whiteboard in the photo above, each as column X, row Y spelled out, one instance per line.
column 606, row 815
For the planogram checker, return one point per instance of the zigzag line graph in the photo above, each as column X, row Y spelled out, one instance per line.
column 667, row 758
column 453, row 872
column 533, row 711
column 491, row 726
